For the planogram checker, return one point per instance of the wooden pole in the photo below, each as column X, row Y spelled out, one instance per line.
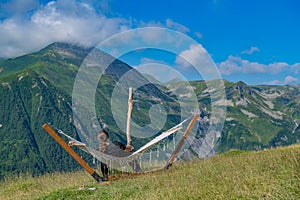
column 181, row 142
column 62, row 143
column 130, row 102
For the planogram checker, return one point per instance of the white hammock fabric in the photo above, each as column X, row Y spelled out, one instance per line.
column 126, row 157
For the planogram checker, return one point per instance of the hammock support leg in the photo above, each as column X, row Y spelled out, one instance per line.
column 181, row 142
column 130, row 102
column 62, row 143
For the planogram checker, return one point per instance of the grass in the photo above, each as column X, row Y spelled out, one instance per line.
column 270, row 174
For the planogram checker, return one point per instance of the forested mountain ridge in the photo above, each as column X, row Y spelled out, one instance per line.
column 26, row 103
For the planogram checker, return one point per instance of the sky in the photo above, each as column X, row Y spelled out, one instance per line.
column 255, row 41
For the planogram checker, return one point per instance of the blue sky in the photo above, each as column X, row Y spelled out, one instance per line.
column 253, row 41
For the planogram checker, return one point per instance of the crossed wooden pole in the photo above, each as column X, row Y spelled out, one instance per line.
column 182, row 141
column 62, row 143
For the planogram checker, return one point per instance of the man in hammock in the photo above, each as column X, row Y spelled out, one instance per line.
column 115, row 149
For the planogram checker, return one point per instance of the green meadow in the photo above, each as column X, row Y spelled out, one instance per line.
column 268, row 174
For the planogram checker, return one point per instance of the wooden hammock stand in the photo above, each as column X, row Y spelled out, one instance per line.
column 90, row 170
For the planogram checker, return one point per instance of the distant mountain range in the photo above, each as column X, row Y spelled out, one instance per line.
column 37, row 88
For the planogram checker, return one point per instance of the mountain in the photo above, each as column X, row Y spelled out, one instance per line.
column 257, row 117
column 261, row 116
column 37, row 89
column 27, row 101
column 58, row 63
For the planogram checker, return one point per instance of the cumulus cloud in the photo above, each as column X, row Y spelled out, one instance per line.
column 235, row 64
column 176, row 26
column 150, row 60
column 62, row 20
column 288, row 80
column 295, row 68
column 251, row 50
column 231, row 66
column 195, row 54
column 27, row 26
column 169, row 23
column 196, row 61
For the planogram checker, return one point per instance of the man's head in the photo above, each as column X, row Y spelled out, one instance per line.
column 103, row 136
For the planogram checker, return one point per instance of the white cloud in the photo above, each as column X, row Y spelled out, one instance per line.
column 235, row 64
column 30, row 26
column 295, row 68
column 150, row 60
column 176, row 26
column 169, row 23
column 276, row 68
column 251, row 50
column 191, row 56
column 62, row 20
column 195, row 61
column 230, row 66
column 288, row 80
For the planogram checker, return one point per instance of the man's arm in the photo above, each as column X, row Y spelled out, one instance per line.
column 73, row 143
column 129, row 148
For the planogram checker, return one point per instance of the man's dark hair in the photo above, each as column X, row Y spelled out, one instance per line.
column 105, row 132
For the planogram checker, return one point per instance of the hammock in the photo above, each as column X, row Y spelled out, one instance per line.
column 124, row 158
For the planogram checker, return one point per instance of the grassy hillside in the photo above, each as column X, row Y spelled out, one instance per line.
column 270, row 174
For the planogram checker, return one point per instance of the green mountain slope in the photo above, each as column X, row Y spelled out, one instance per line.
column 26, row 103
column 257, row 117
column 58, row 63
